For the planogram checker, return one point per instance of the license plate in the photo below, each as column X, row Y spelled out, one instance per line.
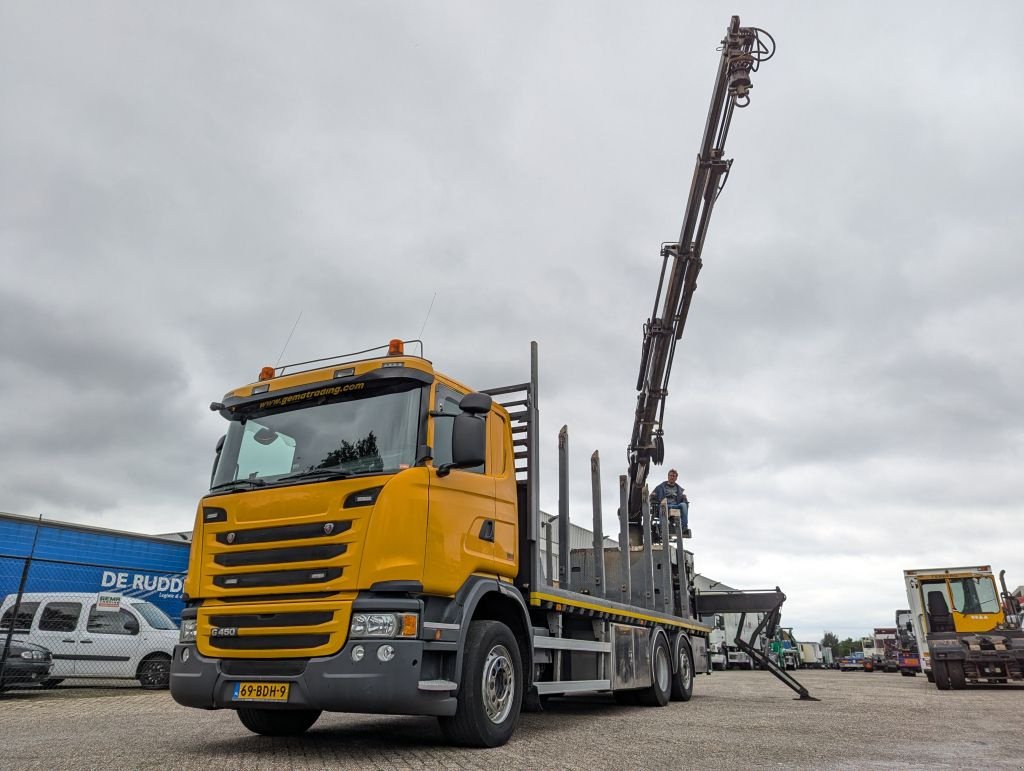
column 261, row 692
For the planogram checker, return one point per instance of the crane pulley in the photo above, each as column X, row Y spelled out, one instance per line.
column 743, row 50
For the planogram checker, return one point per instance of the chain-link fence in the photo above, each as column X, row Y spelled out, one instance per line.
column 91, row 617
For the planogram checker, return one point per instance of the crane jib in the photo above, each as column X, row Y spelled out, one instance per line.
column 743, row 50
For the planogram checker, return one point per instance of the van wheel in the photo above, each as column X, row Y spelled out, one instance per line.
column 660, row 690
column 277, row 722
column 491, row 691
column 154, row 673
column 941, row 672
column 682, row 679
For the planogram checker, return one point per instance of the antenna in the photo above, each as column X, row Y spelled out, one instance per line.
column 420, row 335
column 288, row 340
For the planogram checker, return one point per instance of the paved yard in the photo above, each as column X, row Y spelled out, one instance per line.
column 735, row 720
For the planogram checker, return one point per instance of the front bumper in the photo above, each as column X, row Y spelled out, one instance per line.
column 25, row 671
column 332, row 683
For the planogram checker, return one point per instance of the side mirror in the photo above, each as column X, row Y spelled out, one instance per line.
column 216, row 457
column 475, row 404
column 469, row 441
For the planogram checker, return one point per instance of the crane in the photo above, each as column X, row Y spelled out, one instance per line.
column 743, row 50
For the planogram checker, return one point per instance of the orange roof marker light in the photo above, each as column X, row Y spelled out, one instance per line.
column 396, row 347
column 267, row 373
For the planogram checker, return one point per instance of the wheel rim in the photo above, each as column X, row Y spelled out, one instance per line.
column 662, row 669
column 499, row 684
column 685, row 674
column 156, row 673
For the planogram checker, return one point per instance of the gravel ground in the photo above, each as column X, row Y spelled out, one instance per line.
column 735, row 720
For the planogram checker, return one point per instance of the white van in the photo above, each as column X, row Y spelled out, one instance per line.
column 123, row 637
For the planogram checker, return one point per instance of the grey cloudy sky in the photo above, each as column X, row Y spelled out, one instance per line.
column 179, row 181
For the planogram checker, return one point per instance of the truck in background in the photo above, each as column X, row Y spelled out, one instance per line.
column 908, row 658
column 867, row 647
column 886, row 651
column 828, row 658
column 967, row 630
column 718, row 650
column 811, row 655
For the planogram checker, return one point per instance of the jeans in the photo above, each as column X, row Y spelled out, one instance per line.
column 684, row 513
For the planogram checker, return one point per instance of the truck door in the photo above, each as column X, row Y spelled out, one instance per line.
column 56, row 628
column 109, row 644
column 460, row 519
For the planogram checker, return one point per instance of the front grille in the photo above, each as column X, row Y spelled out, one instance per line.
column 277, row 578
column 258, row 667
column 269, row 642
column 255, row 621
column 247, row 598
column 284, row 533
column 279, row 556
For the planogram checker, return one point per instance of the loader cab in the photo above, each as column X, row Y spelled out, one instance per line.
column 964, row 603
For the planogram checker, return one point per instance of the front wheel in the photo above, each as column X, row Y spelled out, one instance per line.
column 277, row 722
column 957, row 676
column 682, row 680
column 941, row 672
column 491, row 692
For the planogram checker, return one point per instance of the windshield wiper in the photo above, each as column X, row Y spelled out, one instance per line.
column 234, row 484
column 326, row 473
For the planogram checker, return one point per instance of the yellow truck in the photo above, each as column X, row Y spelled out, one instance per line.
column 371, row 538
column 967, row 630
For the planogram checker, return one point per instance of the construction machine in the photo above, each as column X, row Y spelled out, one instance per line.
column 371, row 540
column 968, row 630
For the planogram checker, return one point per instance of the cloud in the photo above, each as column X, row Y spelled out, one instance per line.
column 178, row 188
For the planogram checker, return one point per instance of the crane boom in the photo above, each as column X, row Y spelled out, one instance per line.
column 743, row 49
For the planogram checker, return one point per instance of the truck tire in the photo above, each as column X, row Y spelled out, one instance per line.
column 277, row 722
column 930, row 676
column 154, row 673
column 660, row 690
column 491, row 691
column 941, row 673
column 957, row 676
column 682, row 678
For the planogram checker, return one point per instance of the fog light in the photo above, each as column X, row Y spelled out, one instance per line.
column 358, row 652
column 184, row 655
column 385, row 653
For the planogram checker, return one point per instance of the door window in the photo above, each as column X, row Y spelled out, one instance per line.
column 60, row 617
column 112, row 622
column 23, row 621
column 447, row 402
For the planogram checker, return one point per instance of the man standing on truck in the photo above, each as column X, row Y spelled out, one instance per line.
column 672, row 492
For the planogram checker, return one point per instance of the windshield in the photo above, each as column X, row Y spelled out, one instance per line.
column 155, row 617
column 974, row 595
column 373, row 432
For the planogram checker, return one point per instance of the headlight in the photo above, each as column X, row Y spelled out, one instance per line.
column 35, row 655
column 384, row 625
column 188, row 630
